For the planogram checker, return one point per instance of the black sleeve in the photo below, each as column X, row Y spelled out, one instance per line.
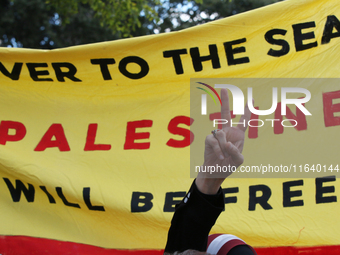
column 241, row 249
column 193, row 219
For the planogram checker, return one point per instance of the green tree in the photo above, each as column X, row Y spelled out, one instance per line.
column 51, row 24
column 120, row 16
column 34, row 24
column 183, row 13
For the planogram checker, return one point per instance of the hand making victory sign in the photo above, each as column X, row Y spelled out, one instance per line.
column 198, row 211
column 223, row 148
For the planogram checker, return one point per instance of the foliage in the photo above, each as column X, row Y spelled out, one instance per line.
column 178, row 13
column 51, row 24
column 121, row 16
column 33, row 24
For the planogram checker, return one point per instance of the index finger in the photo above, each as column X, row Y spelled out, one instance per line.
column 245, row 118
column 225, row 110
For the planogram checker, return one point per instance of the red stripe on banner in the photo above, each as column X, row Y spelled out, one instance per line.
column 22, row 245
column 314, row 250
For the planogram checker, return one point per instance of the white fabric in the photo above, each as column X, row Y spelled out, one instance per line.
column 219, row 241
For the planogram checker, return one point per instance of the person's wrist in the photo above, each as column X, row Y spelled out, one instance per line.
column 208, row 186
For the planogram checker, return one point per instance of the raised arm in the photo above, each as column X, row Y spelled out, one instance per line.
column 198, row 211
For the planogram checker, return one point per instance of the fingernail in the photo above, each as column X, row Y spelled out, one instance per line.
column 221, row 157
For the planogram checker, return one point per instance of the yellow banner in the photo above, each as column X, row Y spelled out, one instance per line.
column 94, row 139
